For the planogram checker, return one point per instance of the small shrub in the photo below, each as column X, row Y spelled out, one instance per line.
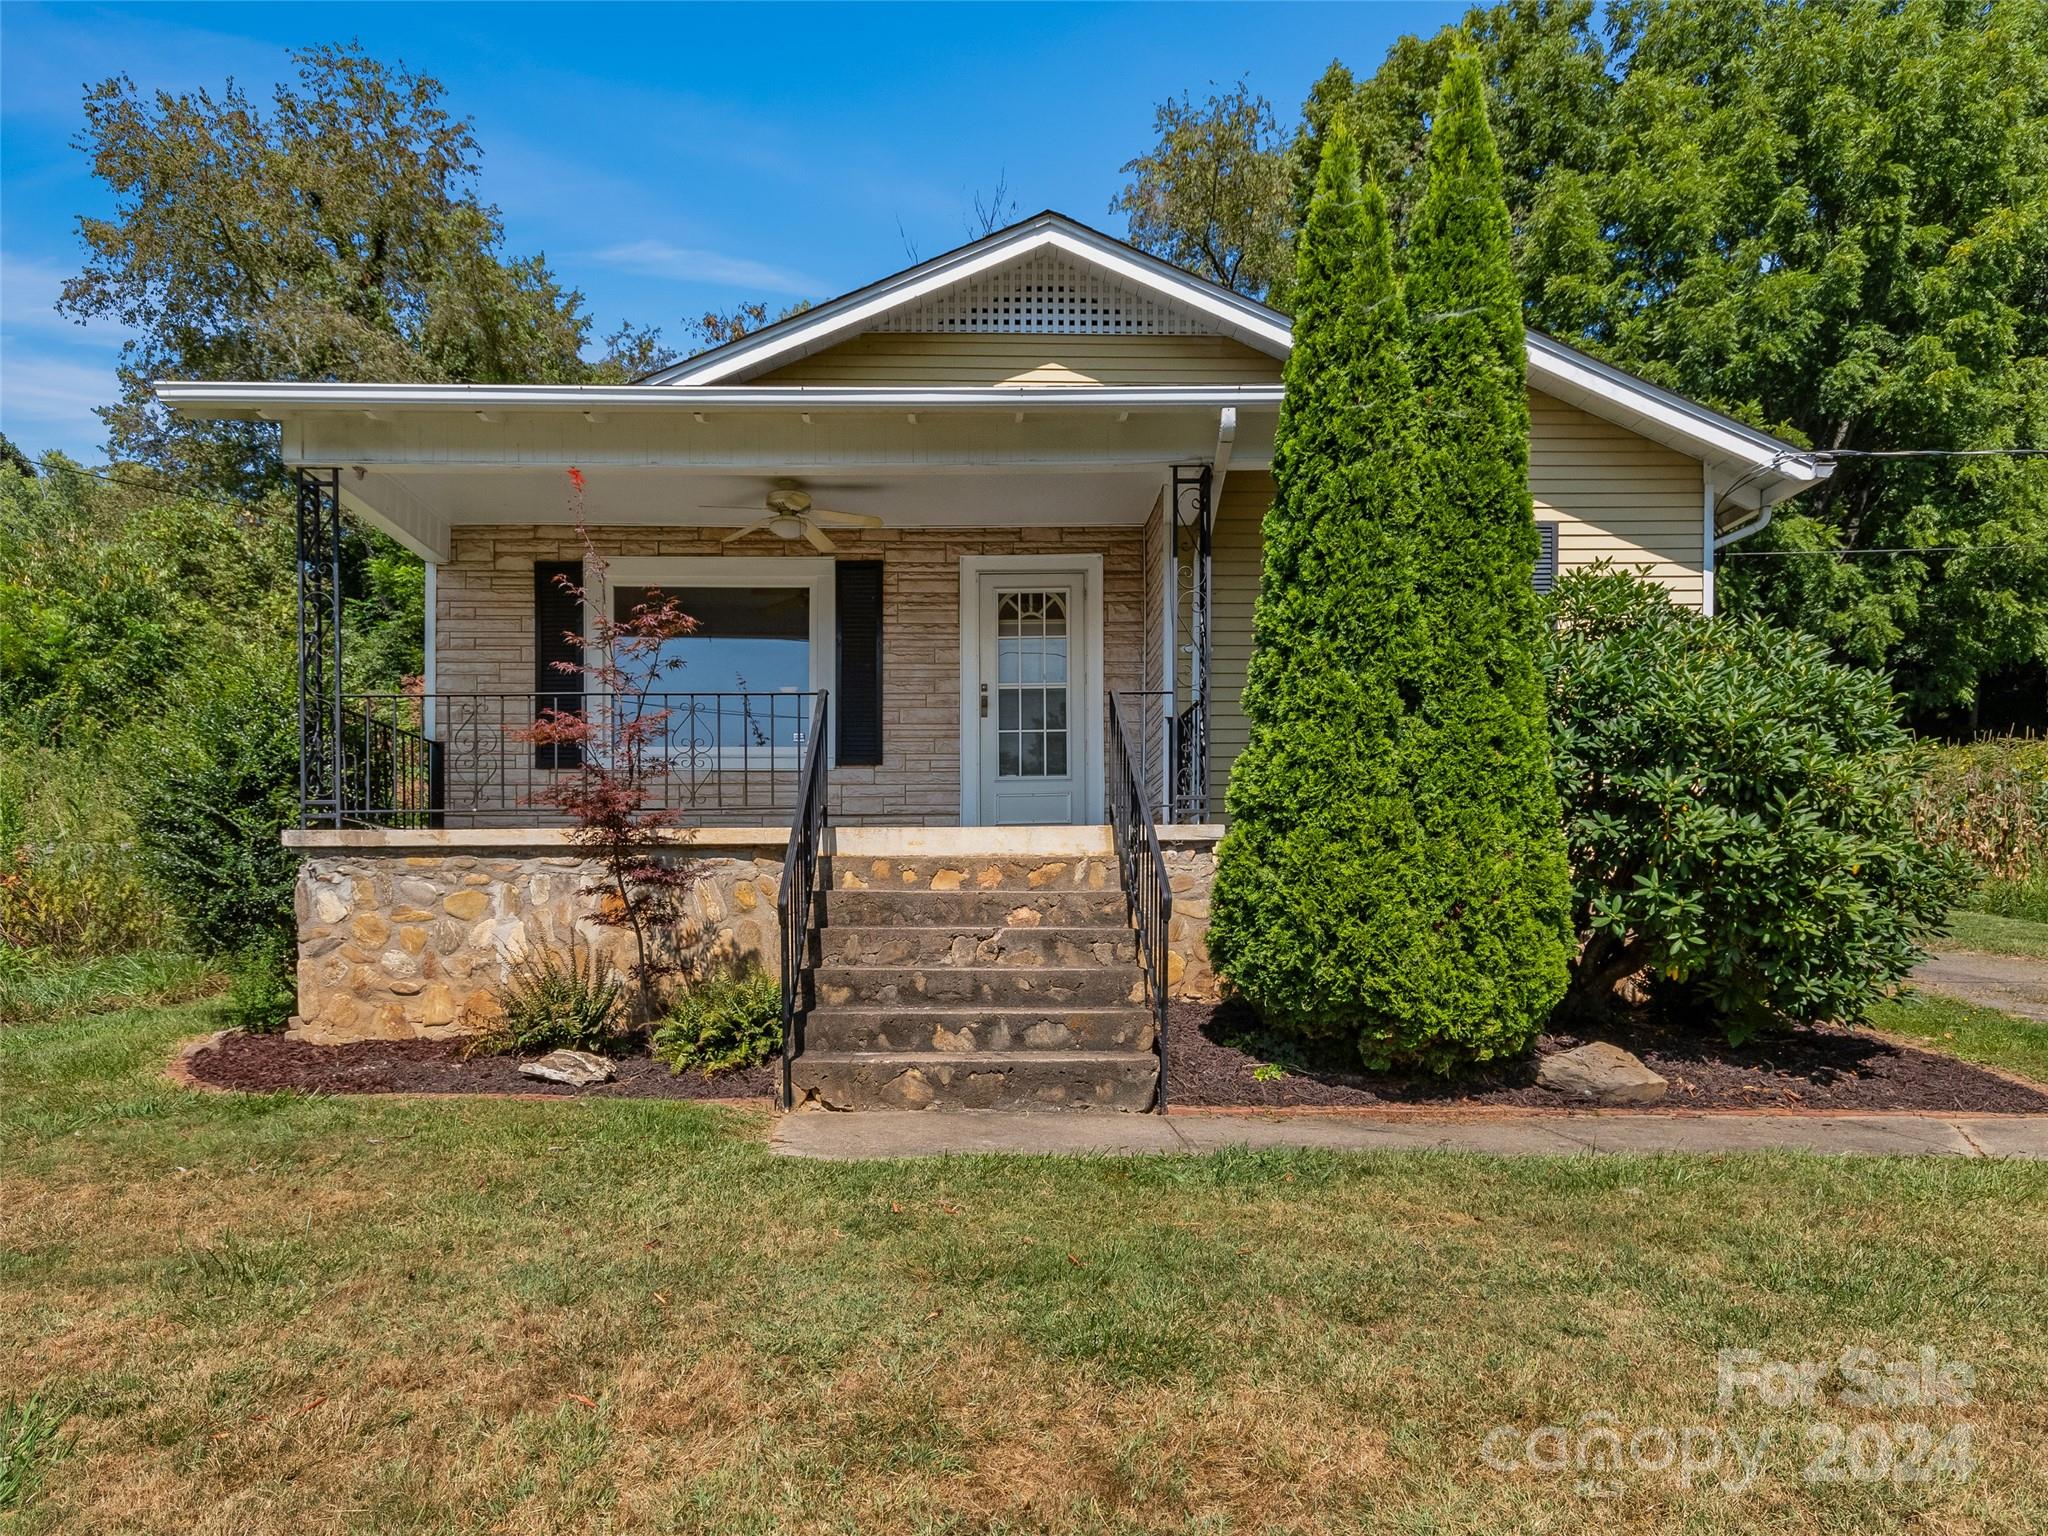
column 1739, row 811
column 219, row 792
column 262, row 987
column 721, row 1023
column 556, row 1001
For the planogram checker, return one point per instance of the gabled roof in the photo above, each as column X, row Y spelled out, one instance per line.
column 1214, row 308
column 1758, row 466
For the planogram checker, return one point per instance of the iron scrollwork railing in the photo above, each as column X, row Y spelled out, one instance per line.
column 1142, row 865
column 465, row 760
column 1170, row 746
column 797, row 897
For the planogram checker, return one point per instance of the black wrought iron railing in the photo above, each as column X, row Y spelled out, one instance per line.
column 387, row 761
column 1142, row 865
column 797, row 897
column 1171, row 744
column 465, row 759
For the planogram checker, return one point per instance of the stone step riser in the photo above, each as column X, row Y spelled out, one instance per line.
column 1073, row 947
column 965, row 910
column 962, row 873
column 838, row 986
column 1041, row 1082
column 903, row 1030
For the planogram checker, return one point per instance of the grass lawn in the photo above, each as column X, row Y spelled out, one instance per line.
column 283, row 1314
column 1995, row 935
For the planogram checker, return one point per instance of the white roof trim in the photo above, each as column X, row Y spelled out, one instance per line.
column 204, row 399
column 1245, row 319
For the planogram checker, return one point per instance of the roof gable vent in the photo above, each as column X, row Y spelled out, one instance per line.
column 1045, row 293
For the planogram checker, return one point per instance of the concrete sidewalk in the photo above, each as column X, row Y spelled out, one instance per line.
column 885, row 1134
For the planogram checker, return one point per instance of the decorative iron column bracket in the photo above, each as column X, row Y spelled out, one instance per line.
column 318, row 525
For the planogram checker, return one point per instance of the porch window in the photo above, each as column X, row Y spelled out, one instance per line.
column 743, row 681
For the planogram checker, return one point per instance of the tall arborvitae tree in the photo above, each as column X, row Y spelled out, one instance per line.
column 1394, row 872
column 1474, row 746
column 1312, row 921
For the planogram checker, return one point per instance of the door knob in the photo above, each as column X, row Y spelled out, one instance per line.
column 984, row 701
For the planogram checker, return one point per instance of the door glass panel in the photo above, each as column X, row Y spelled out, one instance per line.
column 1031, row 684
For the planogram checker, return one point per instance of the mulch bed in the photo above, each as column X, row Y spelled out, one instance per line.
column 267, row 1063
column 1819, row 1068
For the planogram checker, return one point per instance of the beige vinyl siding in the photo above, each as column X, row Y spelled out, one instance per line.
column 1613, row 495
column 1616, row 496
column 1234, row 558
column 948, row 357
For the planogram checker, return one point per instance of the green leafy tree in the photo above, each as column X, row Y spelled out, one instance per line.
column 1740, row 812
column 1211, row 194
column 338, row 235
column 1826, row 217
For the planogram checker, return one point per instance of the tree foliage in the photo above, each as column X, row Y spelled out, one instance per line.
column 337, row 235
column 1211, row 194
column 1740, row 812
column 1827, row 217
column 1394, row 870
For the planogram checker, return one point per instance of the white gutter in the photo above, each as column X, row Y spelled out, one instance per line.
column 1743, row 531
column 207, row 398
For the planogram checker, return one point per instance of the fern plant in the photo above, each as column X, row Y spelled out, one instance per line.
column 722, row 1023
column 557, row 1001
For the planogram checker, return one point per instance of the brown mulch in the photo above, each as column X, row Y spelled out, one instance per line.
column 1820, row 1068
column 267, row 1063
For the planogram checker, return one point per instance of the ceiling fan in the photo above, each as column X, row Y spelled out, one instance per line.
column 790, row 515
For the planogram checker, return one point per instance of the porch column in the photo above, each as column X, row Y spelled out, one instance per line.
column 318, row 526
column 1194, row 519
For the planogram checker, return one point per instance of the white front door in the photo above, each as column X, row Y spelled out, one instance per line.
column 1034, row 720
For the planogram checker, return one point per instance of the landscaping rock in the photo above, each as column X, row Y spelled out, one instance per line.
column 1600, row 1074
column 576, row 1069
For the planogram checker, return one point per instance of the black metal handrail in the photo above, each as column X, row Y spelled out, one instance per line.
column 1142, row 865
column 463, row 760
column 797, row 897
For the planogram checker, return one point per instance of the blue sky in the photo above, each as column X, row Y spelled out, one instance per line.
column 667, row 159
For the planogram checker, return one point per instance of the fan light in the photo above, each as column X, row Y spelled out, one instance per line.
column 786, row 527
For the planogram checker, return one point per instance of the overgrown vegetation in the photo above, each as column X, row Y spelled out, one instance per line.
column 1989, row 801
column 1394, row 871
column 1739, row 810
column 724, row 1021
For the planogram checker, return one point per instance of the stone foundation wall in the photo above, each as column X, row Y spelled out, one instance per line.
column 396, row 944
column 1190, row 872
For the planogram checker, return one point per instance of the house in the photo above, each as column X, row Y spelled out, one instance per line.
column 974, row 550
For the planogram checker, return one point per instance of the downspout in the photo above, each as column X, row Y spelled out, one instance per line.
column 1708, row 534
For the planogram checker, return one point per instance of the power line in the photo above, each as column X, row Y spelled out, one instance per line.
column 1840, row 554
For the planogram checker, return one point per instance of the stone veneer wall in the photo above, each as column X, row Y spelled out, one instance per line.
column 404, row 942
column 484, row 632
column 398, row 943
column 1190, row 872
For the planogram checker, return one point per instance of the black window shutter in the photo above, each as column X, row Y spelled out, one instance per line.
column 857, row 701
column 557, row 617
column 1546, row 556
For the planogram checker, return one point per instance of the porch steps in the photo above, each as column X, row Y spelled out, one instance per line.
column 983, row 976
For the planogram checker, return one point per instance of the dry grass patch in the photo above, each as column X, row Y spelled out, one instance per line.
column 291, row 1314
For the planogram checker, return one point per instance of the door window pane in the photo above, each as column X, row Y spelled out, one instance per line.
column 1031, row 684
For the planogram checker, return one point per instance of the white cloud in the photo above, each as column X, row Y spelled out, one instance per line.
column 28, row 298
column 47, row 400
column 687, row 264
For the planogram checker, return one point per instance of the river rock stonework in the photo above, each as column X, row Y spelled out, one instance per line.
column 1190, row 872
column 395, row 945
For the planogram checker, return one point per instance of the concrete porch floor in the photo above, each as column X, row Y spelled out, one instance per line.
column 880, row 1134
